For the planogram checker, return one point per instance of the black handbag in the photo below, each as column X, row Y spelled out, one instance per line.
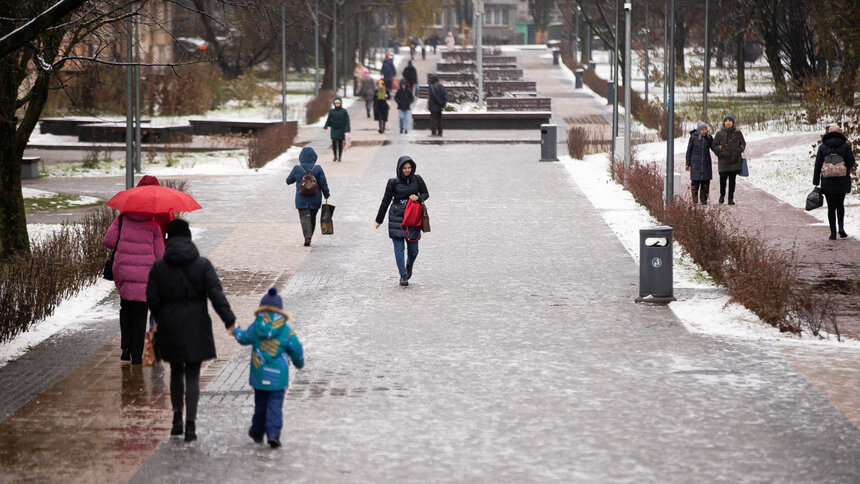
column 107, row 273
column 815, row 199
column 326, row 225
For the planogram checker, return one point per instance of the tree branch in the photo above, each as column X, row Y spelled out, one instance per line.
column 27, row 32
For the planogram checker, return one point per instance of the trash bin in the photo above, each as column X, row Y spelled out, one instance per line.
column 548, row 142
column 579, row 73
column 655, row 265
column 555, row 54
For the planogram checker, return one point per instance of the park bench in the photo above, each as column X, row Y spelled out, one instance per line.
column 68, row 126
column 485, row 120
column 115, row 133
column 456, row 77
column 205, row 127
column 503, row 74
column 519, row 104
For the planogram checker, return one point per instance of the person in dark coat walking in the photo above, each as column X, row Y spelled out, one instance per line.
column 729, row 145
column 834, row 188
column 178, row 287
column 380, row 105
column 338, row 120
column 308, row 205
column 388, row 72
column 407, row 185
column 410, row 75
column 437, row 98
column 699, row 162
column 367, row 91
column 404, row 99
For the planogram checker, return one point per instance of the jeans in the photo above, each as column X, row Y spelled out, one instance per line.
column 368, row 105
column 268, row 416
column 308, row 220
column 731, row 176
column 132, row 327
column 404, row 119
column 412, row 249
column 185, row 381
column 835, row 210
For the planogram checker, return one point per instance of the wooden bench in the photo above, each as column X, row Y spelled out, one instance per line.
column 456, row 77
column 30, row 167
column 519, row 104
column 503, row 74
column 485, row 120
column 68, row 126
column 454, row 91
column 115, row 133
column 470, row 53
column 206, row 127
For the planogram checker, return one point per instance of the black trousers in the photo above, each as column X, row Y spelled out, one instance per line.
column 731, row 176
column 700, row 190
column 185, row 385
column 132, row 327
column 337, row 148
column 835, row 210
column 308, row 219
column 436, row 122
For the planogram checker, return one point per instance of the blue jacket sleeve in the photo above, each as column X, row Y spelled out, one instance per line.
column 323, row 183
column 295, row 350
column 291, row 179
column 243, row 336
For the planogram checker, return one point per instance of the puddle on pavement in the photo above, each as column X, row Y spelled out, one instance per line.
column 839, row 286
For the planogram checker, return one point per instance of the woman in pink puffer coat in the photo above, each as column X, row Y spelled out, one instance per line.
column 140, row 243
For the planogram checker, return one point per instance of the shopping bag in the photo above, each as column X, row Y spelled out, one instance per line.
column 150, row 357
column 346, row 141
column 326, row 212
column 815, row 199
column 425, row 218
column 745, row 170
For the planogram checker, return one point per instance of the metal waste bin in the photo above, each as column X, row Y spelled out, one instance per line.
column 579, row 73
column 555, row 54
column 548, row 142
column 655, row 265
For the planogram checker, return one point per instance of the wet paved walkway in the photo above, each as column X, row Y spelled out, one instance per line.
column 516, row 353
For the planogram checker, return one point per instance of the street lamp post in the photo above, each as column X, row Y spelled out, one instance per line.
column 317, row 48
column 137, row 134
column 129, row 107
column 707, row 73
column 647, row 68
column 615, row 85
column 670, row 101
column 628, row 7
column 283, row 63
column 334, row 48
column 666, row 54
column 479, row 49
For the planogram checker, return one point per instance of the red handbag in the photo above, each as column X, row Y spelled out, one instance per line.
column 413, row 215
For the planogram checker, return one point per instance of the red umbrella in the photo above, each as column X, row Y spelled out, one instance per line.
column 153, row 199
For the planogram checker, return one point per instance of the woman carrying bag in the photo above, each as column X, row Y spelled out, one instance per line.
column 310, row 184
column 399, row 191
column 380, row 106
column 833, row 164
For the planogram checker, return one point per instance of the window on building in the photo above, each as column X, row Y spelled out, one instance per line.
column 495, row 16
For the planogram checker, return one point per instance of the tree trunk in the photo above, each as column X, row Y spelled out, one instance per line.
column 771, row 52
column 680, row 40
column 13, row 221
column 847, row 79
column 325, row 46
column 739, row 62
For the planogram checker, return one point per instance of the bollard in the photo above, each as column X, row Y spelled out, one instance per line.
column 555, row 54
column 579, row 73
column 548, row 142
column 30, row 167
column 655, row 265
column 676, row 186
column 610, row 92
column 591, row 65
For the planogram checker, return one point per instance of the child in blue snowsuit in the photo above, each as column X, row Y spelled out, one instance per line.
column 275, row 344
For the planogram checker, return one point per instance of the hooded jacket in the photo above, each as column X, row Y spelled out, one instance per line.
column 338, row 121
column 388, row 70
column 729, row 144
column 410, row 73
column 137, row 245
column 699, row 156
column 397, row 192
column 367, row 89
column 274, row 345
column 437, row 96
column 179, row 285
column 307, row 164
column 404, row 98
column 834, row 143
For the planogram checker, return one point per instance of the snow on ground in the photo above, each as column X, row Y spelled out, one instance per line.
column 81, row 199
column 713, row 315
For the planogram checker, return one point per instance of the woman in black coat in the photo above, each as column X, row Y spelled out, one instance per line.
column 407, row 185
column 380, row 105
column 834, row 188
column 179, row 284
column 699, row 162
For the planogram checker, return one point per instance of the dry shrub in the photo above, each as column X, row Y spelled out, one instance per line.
column 582, row 141
column 319, row 106
column 761, row 278
column 179, row 184
column 58, row 267
column 269, row 143
column 192, row 89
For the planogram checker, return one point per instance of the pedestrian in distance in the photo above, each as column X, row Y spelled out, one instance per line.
column 833, row 164
column 407, row 185
column 450, row 41
column 410, row 76
column 423, row 47
column 338, row 121
column 367, row 90
column 388, row 73
column 437, row 99
column 699, row 162
column 380, row 105
column 413, row 44
column 274, row 345
column 138, row 241
column 311, row 185
column 434, row 42
column 404, row 100
column 729, row 145
column 179, row 285
column 357, row 75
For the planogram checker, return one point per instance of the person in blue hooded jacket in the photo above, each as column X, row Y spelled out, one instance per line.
column 699, row 162
column 275, row 344
column 308, row 205
column 407, row 185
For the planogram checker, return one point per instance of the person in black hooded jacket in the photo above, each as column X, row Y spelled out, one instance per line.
column 179, row 284
column 834, row 188
column 407, row 185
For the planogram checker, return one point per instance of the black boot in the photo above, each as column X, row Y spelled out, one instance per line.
column 190, row 431
column 125, row 356
column 409, row 271
column 842, row 233
column 177, row 423
column 258, row 439
column 404, row 281
column 275, row 443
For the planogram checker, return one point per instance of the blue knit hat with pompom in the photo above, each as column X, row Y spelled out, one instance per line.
column 272, row 299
